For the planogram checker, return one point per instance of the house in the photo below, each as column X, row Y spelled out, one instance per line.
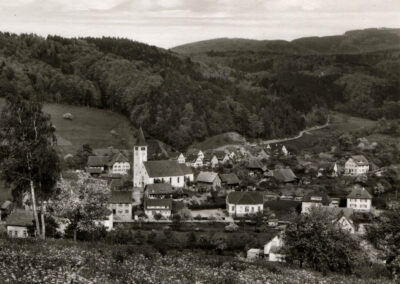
column 273, row 222
column 244, row 203
column 284, row 151
column 273, row 249
column 158, row 190
column 356, row 165
column 359, row 199
column 344, row 222
column 210, row 160
column 262, row 155
column 154, row 207
column 222, row 157
column 110, row 160
column 120, row 204
column 314, row 200
column 19, row 223
column 230, row 180
column 194, row 161
column 255, row 166
column 107, row 222
column 187, row 173
column 5, row 209
column 177, row 156
column 285, row 175
column 253, row 254
column 149, row 172
column 207, row 181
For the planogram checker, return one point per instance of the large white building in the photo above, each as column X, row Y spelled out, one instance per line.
column 359, row 199
column 161, row 171
column 244, row 203
column 356, row 165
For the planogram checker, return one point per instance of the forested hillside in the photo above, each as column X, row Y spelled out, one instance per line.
column 180, row 99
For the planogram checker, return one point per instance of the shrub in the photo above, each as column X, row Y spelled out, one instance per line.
column 232, row 227
column 68, row 116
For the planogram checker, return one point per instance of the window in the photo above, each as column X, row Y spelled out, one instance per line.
column 178, row 179
column 233, row 208
column 246, row 209
column 259, row 208
column 120, row 211
column 16, row 233
column 25, row 233
column 143, row 148
column 126, row 211
column 136, row 148
column 170, row 180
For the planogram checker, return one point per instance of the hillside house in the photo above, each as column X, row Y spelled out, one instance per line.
column 312, row 200
column 194, row 161
column 284, row 151
column 356, row 165
column 344, row 222
column 210, row 160
column 111, row 161
column 153, row 207
column 239, row 204
column 19, row 223
column 120, row 203
column 359, row 199
column 187, row 173
column 285, row 175
column 222, row 157
column 230, row 181
column 177, row 156
column 255, row 167
column 253, row 254
column 207, row 181
column 158, row 190
column 273, row 249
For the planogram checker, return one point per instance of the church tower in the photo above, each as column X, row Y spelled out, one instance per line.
column 139, row 156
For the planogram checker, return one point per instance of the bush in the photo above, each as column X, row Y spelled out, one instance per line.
column 231, row 227
column 68, row 116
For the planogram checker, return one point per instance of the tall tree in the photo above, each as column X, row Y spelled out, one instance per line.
column 28, row 159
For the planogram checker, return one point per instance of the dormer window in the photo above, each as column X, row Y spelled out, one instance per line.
column 136, row 148
column 143, row 148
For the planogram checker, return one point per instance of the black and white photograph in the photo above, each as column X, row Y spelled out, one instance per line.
column 199, row 141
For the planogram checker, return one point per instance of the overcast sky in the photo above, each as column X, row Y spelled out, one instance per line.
column 167, row 23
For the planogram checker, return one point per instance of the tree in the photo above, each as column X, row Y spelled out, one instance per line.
column 27, row 156
column 176, row 221
column 82, row 200
column 313, row 240
column 385, row 235
column 258, row 219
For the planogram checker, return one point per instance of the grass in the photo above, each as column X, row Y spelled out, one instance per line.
column 229, row 138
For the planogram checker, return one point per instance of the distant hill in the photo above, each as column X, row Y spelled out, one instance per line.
column 350, row 42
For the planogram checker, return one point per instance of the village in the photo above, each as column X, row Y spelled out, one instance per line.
column 261, row 185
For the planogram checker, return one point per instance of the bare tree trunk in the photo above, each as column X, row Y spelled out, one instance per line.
column 43, row 236
column 34, row 208
column 75, row 234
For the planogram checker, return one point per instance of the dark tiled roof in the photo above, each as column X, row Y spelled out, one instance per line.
column 284, row 175
column 163, row 168
column 191, row 158
column 230, row 178
column 159, row 188
column 95, row 170
column 245, row 197
column 20, row 218
column 359, row 193
column 255, row 164
column 97, row 161
column 166, row 203
column 185, row 169
column 120, row 197
column 140, row 140
column 220, row 154
column 116, row 183
column 118, row 158
column 206, row 177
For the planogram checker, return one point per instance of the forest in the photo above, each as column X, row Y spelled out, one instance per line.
column 184, row 98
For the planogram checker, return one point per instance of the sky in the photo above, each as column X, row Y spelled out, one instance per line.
column 168, row 23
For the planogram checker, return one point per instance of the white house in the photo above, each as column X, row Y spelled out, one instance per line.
column 120, row 203
column 313, row 201
column 359, row 199
column 285, row 152
column 345, row 223
column 273, row 249
column 108, row 160
column 356, row 165
column 253, row 254
column 149, row 172
column 153, row 207
column 210, row 160
column 179, row 157
column 244, row 203
column 222, row 157
column 18, row 223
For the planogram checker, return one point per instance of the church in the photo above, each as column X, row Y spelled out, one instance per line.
column 160, row 171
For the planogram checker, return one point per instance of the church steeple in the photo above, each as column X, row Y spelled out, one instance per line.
column 141, row 141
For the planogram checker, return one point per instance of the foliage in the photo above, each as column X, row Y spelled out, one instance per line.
column 313, row 240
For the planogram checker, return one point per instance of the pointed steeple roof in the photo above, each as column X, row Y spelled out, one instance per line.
column 140, row 139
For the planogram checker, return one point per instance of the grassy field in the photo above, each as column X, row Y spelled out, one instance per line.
column 25, row 261
column 230, row 138
column 89, row 126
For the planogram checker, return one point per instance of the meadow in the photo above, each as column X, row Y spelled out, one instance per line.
column 60, row 261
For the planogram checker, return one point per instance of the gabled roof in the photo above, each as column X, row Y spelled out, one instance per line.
column 206, row 177
column 21, row 218
column 159, row 188
column 120, row 197
column 230, row 178
column 141, row 141
column 284, row 175
column 118, row 158
column 185, row 169
column 359, row 193
column 163, row 168
column 245, row 197
column 360, row 160
column 220, row 155
column 192, row 158
column 254, row 164
column 116, row 183
column 166, row 203
column 97, row 161
column 174, row 155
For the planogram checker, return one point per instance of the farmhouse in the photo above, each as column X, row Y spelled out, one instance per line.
column 154, row 207
column 356, row 165
column 210, row 160
column 159, row 190
column 207, row 181
column 19, row 223
column 243, row 203
column 255, row 166
column 222, row 157
column 230, row 180
column 120, row 203
column 177, row 156
column 194, row 161
column 273, row 249
column 285, row 175
column 359, row 199
column 110, row 161
column 314, row 201
column 150, row 172
column 344, row 222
